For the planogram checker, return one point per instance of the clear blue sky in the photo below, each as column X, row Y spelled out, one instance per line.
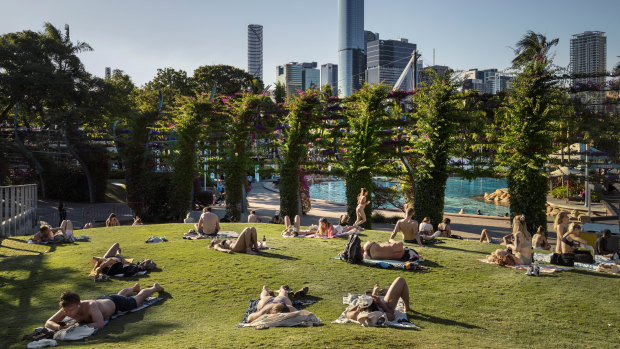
column 139, row 36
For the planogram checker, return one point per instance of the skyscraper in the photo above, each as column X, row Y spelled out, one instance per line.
column 386, row 60
column 298, row 76
column 255, row 50
column 108, row 72
column 588, row 56
column 351, row 60
column 329, row 76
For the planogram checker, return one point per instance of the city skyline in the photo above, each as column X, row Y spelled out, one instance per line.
column 139, row 39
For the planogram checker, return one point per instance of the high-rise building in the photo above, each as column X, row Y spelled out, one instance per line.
column 329, row 76
column 108, row 72
column 588, row 55
column 298, row 76
column 255, row 50
column 497, row 83
column 351, row 55
column 386, row 60
column 477, row 80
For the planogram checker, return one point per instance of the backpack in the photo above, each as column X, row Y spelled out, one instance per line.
column 353, row 250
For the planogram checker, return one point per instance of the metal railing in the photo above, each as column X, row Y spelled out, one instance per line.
column 18, row 211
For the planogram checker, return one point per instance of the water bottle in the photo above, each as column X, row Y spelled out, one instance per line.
column 536, row 269
column 264, row 245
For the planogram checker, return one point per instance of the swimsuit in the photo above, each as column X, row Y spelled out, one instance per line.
column 121, row 303
column 275, row 300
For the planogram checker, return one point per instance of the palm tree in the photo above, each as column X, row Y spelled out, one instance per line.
column 532, row 46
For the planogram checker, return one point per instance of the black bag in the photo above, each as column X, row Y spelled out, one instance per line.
column 353, row 250
column 564, row 259
column 583, row 257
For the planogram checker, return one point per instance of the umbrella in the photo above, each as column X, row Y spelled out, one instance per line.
column 578, row 152
column 565, row 171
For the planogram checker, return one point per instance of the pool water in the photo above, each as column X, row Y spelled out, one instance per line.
column 458, row 194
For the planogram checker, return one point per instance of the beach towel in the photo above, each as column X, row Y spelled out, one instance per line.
column 400, row 317
column 302, row 318
column 598, row 259
column 298, row 304
column 81, row 238
column 544, row 268
column 302, row 234
column 77, row 331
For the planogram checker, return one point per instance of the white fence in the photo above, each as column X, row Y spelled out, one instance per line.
column 19, row 209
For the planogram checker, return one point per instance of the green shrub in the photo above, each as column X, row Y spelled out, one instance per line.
column 266, row 172
column 559, row 192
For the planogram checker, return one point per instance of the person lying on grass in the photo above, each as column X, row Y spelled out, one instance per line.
column 391, row 250
column 46, row 233
column 246, row 242
column 372, row 303
column 113, row 263
column 94, row 312
column 291, row 229
column 272, row 305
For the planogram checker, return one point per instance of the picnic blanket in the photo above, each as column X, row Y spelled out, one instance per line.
column 544, row 268
column 230, row 234
column 387, row 263
column 77, row 331
column 598, row 259
column 301, row 234
column 400, row 317
column 299, row 319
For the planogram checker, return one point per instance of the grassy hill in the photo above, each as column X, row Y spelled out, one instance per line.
column 457, row 303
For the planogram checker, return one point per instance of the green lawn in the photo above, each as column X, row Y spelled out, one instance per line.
column 457, row 303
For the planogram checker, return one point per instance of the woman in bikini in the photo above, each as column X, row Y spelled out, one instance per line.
column 397, row 290
column 391, row 250
column 539, row 240
column 272, row 305
column 291, row 229
column 444, row 228
column 112, row 221
column 571, row 238
column 246, row 242
column 560, row 225
column 361, row 205
column 522, row 246
column 326, row 229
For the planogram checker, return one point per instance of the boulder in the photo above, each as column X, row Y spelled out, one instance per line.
column 584, row 218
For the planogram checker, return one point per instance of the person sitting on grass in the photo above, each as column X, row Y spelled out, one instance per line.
column 571, row 238
column 88, row 225
column 600, row 247
column 245, row 243
column 539, row 240
column 444, row 228
column 426, row 228
column 343, row 225
column 277, row 219
column 94, row 312
column 272, row 305
column 112, row 221
column 208, row 224
column 408, row 227
column 137, row 221
column 253, row 218
column 522, row 240
column 291, row 229
column 399, row 289
column 391, row 250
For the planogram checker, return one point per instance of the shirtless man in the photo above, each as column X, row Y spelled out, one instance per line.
column 253, row 218
column 208, row 223
column 272, row 305
column 45, row 234
column 392, row 250
column 409, row 227
column 94, row 312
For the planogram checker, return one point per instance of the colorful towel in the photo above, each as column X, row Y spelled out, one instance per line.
column 221, row 235
column 544, row 268
column 400, row 317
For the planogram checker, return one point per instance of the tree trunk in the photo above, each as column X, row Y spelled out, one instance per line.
column 89, row 177
column 27, row 153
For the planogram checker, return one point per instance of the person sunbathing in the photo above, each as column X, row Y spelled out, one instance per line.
column 246, row 242
column 254, row 218
column 45, row 234
column 112, row 221
column 399, row 289
column 504, row 258
column 111, row 263
column 391, row 250
column 209, row 223
column 291, row 229
column 326, row 229
column 485, row 236
column 539, row 240
column 408, row 227
column 272, row 305
column 94, row 312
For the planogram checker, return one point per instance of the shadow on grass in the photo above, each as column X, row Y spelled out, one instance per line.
column 594, row 273
column 437, row 320
column 431, row 264
column 457, row 249
column 277, row 255
column 17, row 249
